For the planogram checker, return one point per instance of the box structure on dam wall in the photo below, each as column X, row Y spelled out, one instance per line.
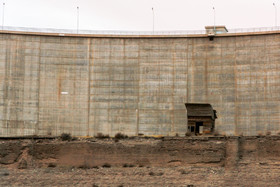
column 87, row 84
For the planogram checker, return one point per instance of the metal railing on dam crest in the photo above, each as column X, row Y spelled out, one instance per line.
column 122, row 32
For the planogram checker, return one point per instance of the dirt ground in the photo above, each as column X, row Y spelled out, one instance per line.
column 208, row 161
column 247, row 175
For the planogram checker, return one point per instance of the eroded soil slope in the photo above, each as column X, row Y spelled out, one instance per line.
column 199, row 161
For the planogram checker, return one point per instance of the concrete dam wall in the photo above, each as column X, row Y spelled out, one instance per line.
column 84, row 85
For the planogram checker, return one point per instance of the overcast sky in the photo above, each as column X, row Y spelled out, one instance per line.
column 137, row 15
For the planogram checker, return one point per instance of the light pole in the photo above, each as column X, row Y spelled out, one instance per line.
column 153, row 20
column 275, row 14
column 3, row 16
column 214, row 12
column 77, row 19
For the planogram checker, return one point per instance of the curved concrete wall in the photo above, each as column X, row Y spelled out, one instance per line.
column 85, row 85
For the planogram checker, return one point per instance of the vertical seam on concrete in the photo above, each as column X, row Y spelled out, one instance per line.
column 39, row 88
column 265, row 85
column 206, row 70
column 250, row 70
column 187, row 77
column 158, row 50
column 6, row 91
column 235, row 90
column 89, row 70
column 110, row 88
column 124, row 110
column 21, row 62
column 187, row 84
column 173, row 78
column 138, row 96
column 191, row 75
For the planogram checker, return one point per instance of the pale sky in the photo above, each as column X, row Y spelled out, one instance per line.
column 137, row 15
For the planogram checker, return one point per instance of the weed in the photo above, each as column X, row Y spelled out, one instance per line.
column 5, row 174
column 52, row 165
column 101, row 136
column 66, row 137
column 188, row 134
column 84, row 166
column 106, row 165
column 128, row 165
column 155, row 174
column 119, row 136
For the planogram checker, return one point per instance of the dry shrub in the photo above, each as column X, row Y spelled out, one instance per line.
column 84, row 166
column 52, row 165
column 119, row 136
column 188, row 134
column 66, row 137
column 128, row 165
column 101, row 136
column 106, row 165
column 155, row 174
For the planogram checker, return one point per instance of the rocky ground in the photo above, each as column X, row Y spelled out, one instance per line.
column 247, row 175
column 207, row 161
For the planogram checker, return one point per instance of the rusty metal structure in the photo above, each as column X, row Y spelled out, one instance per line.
column 83, row 84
